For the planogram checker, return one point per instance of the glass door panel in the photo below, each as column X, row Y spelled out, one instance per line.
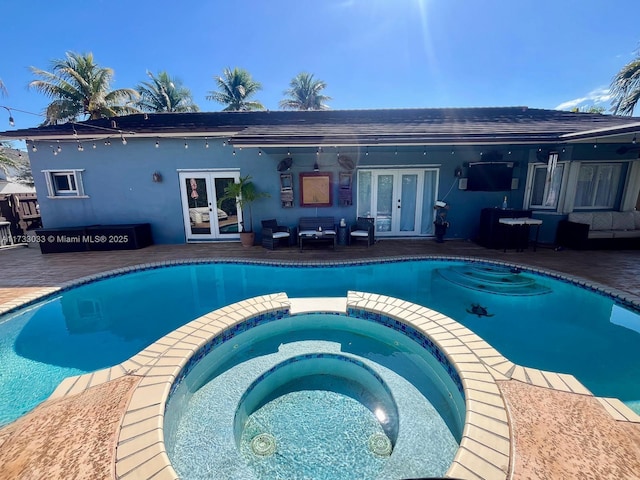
column 196, row 196
column 384, row 203
column 408, row 202
column 227, row 211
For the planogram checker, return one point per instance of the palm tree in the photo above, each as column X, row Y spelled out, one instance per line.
column 625, row 88
column 304, row 94
column 235, row 88
column 78, row 86
column 164, row 94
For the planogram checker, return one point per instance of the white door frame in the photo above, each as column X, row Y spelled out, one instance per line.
column 213, row 231
column 392, row 221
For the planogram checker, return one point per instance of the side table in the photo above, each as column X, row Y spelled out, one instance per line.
column 342, row 235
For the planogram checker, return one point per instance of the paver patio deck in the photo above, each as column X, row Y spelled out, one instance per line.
column 554, row 434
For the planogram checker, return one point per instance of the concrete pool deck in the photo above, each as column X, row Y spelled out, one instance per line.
column 556, row 430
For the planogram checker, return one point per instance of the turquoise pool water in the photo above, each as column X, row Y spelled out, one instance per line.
column 322, row 387
column 100, row 324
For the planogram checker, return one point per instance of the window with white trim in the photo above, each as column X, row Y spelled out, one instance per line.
column 545, row 184
column 597, row 185
column 64, row 183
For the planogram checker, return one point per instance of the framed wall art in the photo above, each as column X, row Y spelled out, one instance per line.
column 316, row 189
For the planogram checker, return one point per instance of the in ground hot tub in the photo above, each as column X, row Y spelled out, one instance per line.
column 320, row 396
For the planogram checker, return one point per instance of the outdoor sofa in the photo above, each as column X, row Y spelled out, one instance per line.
column 595, row 230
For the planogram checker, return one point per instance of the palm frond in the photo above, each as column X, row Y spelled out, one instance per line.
column 625, row 88
column 79, row 86
column 304, row 94
column 235, row 87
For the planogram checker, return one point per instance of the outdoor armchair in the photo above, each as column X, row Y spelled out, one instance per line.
column 363, row 229
column 272, row 234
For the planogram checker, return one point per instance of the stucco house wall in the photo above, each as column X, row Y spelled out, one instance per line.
column 118, row 182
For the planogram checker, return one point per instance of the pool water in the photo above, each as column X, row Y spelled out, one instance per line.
column 322, row 386
column 97, row 325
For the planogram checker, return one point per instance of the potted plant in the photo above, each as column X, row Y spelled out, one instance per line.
column 244, row 193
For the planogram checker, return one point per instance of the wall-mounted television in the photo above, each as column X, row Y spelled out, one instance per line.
column 489, row 176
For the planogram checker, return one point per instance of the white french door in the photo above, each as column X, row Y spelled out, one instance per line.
column 200, row 192
column 400, row 200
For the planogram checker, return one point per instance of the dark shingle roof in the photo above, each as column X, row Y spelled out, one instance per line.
column 336, row 127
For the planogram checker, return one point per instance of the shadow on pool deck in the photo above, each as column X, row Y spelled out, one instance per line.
column 556, row 435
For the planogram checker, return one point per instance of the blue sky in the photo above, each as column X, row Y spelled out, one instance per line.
column 371, row 53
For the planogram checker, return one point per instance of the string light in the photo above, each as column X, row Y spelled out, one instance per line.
column 259, row 152
column 206, row 143
column 33, row 147
column 11, row 120
column 186, row 145
column 424, row 151
column 80, row 147
column 124, row 140
column 234, row 152
column 366, row 153
column 157, row 144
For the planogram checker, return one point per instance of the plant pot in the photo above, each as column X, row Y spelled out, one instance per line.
column 441, row 231
column 247, row 239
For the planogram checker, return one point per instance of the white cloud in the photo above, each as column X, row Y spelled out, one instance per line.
column 599, row 97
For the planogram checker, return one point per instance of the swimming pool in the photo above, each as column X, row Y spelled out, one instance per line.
column 568, row 329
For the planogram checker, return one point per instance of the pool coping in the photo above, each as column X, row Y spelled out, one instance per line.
column 486, row 449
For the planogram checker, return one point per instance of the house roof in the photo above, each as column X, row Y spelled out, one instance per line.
column 362, row 127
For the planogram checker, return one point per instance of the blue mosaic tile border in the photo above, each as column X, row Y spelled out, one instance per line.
column 226, row 335
column 415, row 335
column 246, row 325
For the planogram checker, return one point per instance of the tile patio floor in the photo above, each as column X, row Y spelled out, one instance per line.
column 554, row 434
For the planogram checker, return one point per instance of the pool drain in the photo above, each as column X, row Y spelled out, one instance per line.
column 380, row 444
column 263, row 444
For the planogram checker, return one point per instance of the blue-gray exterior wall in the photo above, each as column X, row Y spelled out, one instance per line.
column 118, row 182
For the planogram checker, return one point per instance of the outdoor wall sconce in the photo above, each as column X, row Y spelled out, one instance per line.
column 157, row 177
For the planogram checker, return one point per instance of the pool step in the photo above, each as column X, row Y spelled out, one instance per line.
column 493, row 279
